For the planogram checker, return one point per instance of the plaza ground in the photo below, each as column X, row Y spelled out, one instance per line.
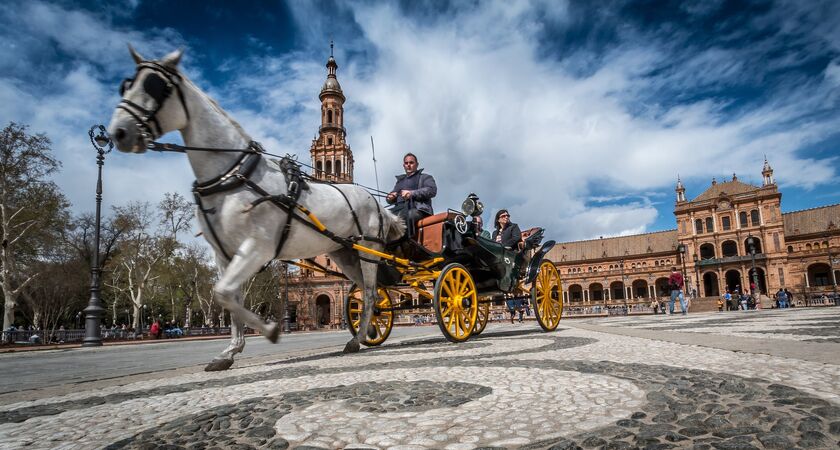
column 756, row 379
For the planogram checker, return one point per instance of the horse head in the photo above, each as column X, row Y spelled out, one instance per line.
column 152, row 103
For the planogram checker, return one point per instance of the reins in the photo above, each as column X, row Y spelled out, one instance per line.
column 238, row 175
column 175, row 148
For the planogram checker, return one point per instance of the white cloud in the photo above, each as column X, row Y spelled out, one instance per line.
column 472, row 93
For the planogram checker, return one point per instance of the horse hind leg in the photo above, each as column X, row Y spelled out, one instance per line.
column 368, row 270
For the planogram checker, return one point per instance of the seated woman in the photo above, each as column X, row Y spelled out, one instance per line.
column 506, row 233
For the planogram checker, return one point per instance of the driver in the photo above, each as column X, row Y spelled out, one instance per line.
column 412, row 194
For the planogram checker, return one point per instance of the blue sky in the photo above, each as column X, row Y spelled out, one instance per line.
column 577, row 116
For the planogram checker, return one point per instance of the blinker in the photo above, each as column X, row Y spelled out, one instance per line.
column 126, row 85
column 156, row 87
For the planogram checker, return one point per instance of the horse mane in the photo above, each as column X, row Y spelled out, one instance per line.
column 215, row 105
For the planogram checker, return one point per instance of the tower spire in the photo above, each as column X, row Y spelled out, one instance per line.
column 680, row 189
column 767, row 173
column 331, row 155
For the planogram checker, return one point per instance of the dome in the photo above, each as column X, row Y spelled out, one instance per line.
column 331, row 85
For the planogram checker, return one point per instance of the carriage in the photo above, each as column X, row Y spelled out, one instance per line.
column 460, row 273
column 449, row 262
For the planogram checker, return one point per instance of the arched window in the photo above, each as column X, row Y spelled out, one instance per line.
column 807, row 246
column 729, row 248
column 330, row 140
column 754, row 218
column 338, row 167
column 329, row 167
column 329, row 116
column 725, row 223
column 707, row 251
column 656, row 263
column 319, row 167
column 698, row 226
column 710, row 225
column 743, row 218
column 790, row 249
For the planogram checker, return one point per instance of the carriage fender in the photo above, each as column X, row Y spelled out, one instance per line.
column 534, row 265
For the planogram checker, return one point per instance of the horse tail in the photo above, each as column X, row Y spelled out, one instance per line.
column 393, row 225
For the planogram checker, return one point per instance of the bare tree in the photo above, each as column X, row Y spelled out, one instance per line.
column 32, row 208
column 140, row 252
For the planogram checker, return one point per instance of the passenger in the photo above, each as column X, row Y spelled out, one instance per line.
column 412, row 194
column 506, row 233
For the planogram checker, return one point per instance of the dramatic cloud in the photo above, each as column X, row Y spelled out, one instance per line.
column 572, row 116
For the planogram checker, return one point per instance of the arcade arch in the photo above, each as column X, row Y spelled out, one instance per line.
column 596, row 292
column 322, row 308
column 640, row 289
column 707, row 251
column 711, row 287
column 575, row 293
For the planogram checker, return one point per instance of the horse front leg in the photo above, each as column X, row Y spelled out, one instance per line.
column 237, row 343
column 247, row 261
column 369, row 271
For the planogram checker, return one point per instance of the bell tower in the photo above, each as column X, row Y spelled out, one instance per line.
column 767, row 173
column 680, row 189
column 331, row 156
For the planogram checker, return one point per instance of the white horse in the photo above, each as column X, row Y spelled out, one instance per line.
column 160, row 99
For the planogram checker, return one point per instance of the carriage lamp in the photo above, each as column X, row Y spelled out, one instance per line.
column 94, row 311
column 472, row 206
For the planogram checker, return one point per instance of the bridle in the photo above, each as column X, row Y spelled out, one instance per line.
column 159, row 86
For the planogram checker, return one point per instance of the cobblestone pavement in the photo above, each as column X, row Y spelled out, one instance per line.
column 512, row 387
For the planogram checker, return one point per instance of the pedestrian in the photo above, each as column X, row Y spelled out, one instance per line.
column 654, row 305
column 154, row 330
column 675, row 282
column 720, row 304
column 781, row 298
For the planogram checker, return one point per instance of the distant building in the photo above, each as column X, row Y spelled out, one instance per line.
column 796, row 250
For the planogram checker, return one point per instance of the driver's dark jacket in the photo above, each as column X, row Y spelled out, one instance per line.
column 422, row 186
column 510, row 236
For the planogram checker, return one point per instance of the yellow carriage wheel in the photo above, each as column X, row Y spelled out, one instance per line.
column 547, row 296
column 381, row 322
column 456, row 303
column 483, row 318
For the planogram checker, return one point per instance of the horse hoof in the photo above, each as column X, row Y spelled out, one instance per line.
column 351, row 347
column 371, row 332
column 218, row 365
column 274, row 334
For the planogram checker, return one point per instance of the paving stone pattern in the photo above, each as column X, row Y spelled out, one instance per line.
column 511, row 387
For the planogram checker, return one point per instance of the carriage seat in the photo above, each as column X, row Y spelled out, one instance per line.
column 430, row 231
column 530, row 238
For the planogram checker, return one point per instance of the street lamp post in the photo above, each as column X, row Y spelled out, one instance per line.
column 697, row 272
column 287, row 326
column 751, row 244
column 681, row 248
column 94, row 311
column 831, row 266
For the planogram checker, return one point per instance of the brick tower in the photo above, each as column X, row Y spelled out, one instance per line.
column 331, row 155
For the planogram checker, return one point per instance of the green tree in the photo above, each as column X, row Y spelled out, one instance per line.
column 33, row 211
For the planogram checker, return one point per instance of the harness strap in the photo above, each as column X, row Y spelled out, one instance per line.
column 204, row 213
column 232, row 178
column 352, row 211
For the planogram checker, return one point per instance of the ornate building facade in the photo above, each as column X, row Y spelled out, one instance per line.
column 733, row 236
